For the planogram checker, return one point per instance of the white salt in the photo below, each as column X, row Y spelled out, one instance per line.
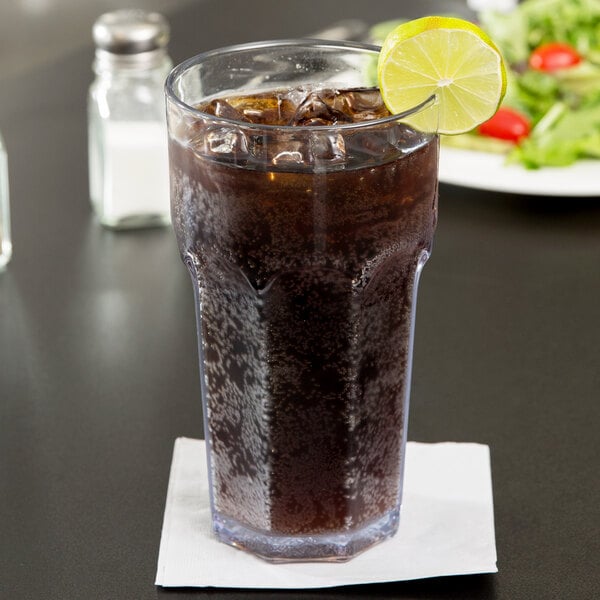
column 136, row 169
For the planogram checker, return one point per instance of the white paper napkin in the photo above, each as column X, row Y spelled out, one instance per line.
column 446, row 528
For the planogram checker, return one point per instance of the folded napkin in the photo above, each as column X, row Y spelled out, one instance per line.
column 446, row 528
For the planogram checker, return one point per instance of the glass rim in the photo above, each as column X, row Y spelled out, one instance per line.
column 179, row 69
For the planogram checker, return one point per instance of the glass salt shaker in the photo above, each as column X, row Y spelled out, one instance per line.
column 127, row 131
column 5, row 240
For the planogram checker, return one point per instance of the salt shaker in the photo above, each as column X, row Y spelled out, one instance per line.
column 127, row 134
column 5, row 240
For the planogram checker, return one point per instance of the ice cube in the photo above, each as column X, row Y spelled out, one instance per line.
column 375, row 145
column 315, row 111
column 292, row 153
column 222, row 108
column 223, row 140
column 279, row 148
column 360, row 104
column 270, row 108
column 327, row 148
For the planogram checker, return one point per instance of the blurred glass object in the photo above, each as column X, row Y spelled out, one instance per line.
column 36, row 7
column 5, row 239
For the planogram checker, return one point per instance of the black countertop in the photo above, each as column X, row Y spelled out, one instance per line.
column 98, row 360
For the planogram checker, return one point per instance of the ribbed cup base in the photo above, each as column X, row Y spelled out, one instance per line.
column 330, row 547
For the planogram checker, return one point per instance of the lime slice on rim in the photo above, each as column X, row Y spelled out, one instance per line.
column 446, row 56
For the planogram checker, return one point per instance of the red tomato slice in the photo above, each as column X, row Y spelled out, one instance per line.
column 554, row 56
column 506, row 124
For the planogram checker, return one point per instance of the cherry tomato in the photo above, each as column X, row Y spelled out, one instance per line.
column 506, row 124
column 554, row 56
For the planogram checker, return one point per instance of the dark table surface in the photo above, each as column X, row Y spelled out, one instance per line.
column 98, row 362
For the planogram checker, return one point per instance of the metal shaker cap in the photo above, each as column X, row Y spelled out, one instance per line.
column 130, row 31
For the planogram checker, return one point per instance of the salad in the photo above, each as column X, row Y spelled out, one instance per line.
column 550, row 115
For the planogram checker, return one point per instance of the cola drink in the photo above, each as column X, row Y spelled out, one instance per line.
column 304, row 216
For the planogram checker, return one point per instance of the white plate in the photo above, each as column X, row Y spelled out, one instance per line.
column 487, row 171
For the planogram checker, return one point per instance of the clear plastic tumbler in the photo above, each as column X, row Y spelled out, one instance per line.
column 304, row 213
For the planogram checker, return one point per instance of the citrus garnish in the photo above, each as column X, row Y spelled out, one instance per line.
column 446, row 56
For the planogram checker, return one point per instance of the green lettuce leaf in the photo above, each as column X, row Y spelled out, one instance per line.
column 562, row 137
